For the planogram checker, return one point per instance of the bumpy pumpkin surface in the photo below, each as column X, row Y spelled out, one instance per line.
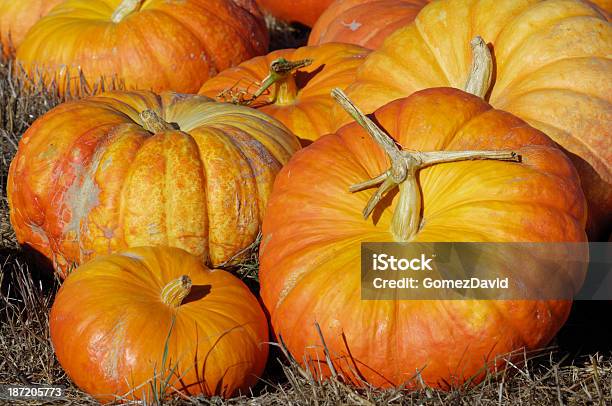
column 16, row 18
column 316, row 277
column 113, row 319
column 552, row 69
column 302, row 11
column 363, row 22
column 155, row 45
column 107, row 172
column 299, row 95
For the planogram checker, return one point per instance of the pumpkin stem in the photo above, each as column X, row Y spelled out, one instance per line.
column 281, row 76
column 481, row 73
column 126, row 8
column 175, row 291
column 153, row 123
column 405, row 165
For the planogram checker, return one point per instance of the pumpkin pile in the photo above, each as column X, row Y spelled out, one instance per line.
column 477, row 120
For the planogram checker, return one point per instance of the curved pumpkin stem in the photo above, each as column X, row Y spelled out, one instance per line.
column 481, row 72
column 405, row 165
column 175, row 291
column 282, row 78
column 153, row 123
column 126, row 8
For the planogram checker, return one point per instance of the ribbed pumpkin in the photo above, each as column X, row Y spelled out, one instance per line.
column 115, row 317
column 297, row 83
column 541, row 72
column 302, row 11
column 154, row 45
column 310, row 252
column 16, row 18
column 130, row 169
column 363, row 22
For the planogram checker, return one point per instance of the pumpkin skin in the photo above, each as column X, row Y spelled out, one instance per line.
column 302, row 11
column 191, row 41
column 316, row 278
column 88, row 179
column 109, row 327
column 543, row 75
column 16, row 18
column 363, row 22
column 306, row 111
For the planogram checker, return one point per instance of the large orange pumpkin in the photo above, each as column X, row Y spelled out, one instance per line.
column 155, row 320
column 310, row 251
column 134, row 168
column 541, row 73
column 363, row 22
column 16, row 18
column 297, row 83
column 302, row 11
column 154, row 45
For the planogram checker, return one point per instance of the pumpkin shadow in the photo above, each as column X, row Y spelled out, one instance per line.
column 197, row 292
column 302, row 78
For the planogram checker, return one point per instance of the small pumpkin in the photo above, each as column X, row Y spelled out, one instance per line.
column 291, row 85
column 16, row 18
column 128, row 169
column 154, row 45
column 302, row 11
column 155, row 320
column 363, row 22
column 541, row 73
column 458, row 181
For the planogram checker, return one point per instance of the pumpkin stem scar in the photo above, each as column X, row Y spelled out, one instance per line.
column 153, row 123
column 481, row 72
column 403, row 172
column 280, row 75
column 126, row 8
column 175, row 291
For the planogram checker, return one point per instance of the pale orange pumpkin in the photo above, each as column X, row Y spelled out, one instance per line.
column 459, row 181
column 363, row 22
column 155, row 320
column 291, row 85
column 154, row 45
column 541, row 73
column 17, row 17
column 130, row 169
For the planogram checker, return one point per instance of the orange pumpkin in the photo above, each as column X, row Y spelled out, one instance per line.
column 541, row 73
column 291, row 85
column 16, row 18
column 605, row 6
column 155, row 45
column 316, row 277
column 155, row 320
column 363, row 22
column 130, row 169
column 302, row 11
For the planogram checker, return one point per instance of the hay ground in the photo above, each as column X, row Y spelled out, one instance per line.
column 576, row 370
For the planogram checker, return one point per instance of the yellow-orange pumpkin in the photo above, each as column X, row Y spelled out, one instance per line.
column 310, row 254
column 130, row 169
column 363, row 22
column 113, row 319
column 16, row 18
column 297, row 94
column 154, row 45
column 542, row 74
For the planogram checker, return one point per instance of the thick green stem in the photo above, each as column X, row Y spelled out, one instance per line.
column 126, row 8
column 153, row 123
column 175, row 291
column 481, row 73
column 282, row 81
column 403, row 173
